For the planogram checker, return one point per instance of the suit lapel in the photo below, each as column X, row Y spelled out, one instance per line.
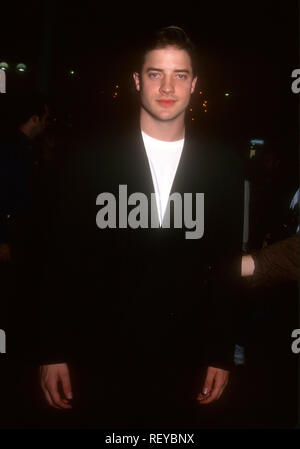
column 138, row 164
column 191, row 175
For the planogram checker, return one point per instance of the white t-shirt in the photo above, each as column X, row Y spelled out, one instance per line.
column 163, row 159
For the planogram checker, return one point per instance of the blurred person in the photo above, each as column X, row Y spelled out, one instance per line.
column 267, row 196
column 136, row 324
column 278, row 262
column 271, row 277
column 21, row 239
column 55, row 143
column 19, row 165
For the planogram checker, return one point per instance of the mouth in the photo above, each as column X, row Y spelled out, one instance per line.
column 166, row 103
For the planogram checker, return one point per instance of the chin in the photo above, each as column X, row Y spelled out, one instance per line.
column 162, row 115
column 165, row 115
column 168, row 117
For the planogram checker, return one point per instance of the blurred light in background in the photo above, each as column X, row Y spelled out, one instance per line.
column 4, row 66
column 257, row 142
column 21, row 67
column 254, row 145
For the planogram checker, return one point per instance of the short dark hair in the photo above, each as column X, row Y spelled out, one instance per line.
column 170, row 35
column 28, row 106
column 17, row 108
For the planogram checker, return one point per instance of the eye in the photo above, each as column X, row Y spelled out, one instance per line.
column 181, row 76
column 154, row 75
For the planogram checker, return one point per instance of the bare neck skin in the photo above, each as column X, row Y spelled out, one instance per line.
column 169, row 130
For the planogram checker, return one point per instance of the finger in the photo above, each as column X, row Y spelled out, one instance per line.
column 55, row 396
column 209, row 399
column 208, row 383
column 222, row 389
column 48, row 399
column 220, row 393
column 66, row 386
column 47, row 396
column 216, row 392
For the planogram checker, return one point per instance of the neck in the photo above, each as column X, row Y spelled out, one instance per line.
column 168, row 131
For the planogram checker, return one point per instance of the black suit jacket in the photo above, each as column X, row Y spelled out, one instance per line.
column 143, row 294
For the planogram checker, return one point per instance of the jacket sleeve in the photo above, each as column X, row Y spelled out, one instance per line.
column 222, row 313
column 277, row 263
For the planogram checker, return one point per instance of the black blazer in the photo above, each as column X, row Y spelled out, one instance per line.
column 143, row 293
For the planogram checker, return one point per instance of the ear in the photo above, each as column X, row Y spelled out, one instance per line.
column 136, row 77
column 35, row 119
column 194, row 82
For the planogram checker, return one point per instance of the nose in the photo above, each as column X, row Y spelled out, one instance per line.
column 167, row 86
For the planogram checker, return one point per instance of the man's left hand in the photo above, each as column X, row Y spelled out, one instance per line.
column 214, row 385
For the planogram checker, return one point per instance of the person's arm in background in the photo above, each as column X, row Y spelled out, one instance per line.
column 273, row 264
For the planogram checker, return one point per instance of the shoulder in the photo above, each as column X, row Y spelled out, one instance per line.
column 221, row 153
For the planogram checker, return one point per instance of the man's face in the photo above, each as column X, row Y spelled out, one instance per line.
column 40, row 124
column 166, row 83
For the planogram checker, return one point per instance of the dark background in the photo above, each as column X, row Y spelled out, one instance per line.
column 248, row 49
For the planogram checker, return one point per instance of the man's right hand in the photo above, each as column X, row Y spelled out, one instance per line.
column 56, row 385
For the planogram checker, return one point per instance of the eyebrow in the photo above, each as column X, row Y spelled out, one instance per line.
column 154, row 69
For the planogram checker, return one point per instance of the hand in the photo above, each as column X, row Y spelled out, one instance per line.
column 214, row 385
column 248, row 265
column 5, row 253
column 56, row 385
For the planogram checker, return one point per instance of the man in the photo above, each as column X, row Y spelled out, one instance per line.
column 272, row 294
column 21, row 239
column 142, row 305
column 21, row 200
column 19, row 165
